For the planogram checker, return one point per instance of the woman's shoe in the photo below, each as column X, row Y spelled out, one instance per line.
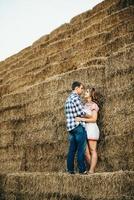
column 91, row 172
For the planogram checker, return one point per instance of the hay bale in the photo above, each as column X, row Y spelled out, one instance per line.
column 116, row 152
column 105, row 186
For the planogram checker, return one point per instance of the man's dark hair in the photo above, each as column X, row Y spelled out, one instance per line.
column 76, row 84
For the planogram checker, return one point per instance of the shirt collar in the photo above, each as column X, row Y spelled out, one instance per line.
column 73, row 92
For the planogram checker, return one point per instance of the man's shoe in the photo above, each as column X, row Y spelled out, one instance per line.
column 84, row 173
column 70, row 172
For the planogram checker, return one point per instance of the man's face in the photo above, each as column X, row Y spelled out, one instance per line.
column 80, row 89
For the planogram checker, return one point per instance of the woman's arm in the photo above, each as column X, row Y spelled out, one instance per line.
column 92, row 118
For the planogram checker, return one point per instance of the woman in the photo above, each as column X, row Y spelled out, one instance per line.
column 91, row 108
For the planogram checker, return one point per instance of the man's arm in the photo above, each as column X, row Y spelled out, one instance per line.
column 80, row 108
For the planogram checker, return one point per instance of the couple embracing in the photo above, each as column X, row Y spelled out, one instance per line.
column 83, row 130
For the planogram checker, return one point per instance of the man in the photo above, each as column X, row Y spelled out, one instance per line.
column 77, row 133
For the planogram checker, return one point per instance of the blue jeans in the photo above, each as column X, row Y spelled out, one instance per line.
column 77, row 139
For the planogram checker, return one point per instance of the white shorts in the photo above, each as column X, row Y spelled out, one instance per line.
column 92, row 130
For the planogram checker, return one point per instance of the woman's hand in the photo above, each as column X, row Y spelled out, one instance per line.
column 78, row 119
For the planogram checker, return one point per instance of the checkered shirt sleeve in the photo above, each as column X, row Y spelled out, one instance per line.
column 73, row 109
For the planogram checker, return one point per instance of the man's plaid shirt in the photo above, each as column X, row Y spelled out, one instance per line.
column 73, row 109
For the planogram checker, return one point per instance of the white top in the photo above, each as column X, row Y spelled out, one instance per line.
column 91, row 128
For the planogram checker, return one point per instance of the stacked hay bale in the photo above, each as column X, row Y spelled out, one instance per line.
column 95, row 48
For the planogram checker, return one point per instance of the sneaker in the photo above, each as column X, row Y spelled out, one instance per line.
column 70, row 172
column 84, row 173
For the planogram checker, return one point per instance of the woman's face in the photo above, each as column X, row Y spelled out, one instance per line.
column 87, row 94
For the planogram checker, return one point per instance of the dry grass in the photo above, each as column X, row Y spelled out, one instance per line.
column 95, row 48
column 33, row 186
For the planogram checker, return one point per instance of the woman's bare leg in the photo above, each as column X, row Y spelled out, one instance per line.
column 94, row 157
column 88, row 157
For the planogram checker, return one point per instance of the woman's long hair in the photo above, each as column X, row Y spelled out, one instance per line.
column 94, row 95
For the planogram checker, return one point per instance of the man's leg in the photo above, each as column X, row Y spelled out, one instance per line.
column 81, row 145
column 71, row 153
